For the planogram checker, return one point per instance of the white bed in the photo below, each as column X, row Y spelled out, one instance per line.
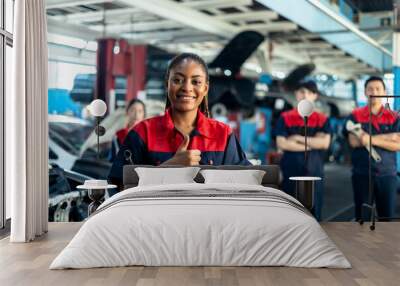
column 201, row 225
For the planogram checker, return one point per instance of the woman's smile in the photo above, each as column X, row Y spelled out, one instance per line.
column 186, row 97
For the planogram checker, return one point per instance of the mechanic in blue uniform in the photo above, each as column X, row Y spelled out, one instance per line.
column 290, row 139
column 184, row 135
column 386, row 141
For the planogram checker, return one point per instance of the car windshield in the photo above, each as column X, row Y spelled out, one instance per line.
column 70, row 136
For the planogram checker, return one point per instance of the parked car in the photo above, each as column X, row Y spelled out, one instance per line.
column 66, row 137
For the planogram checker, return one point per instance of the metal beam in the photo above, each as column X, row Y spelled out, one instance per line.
column 312, row 45
column 189, row 39
column 71, row 30
column 344, row 64
column 188, row 17
column 270, row 27
column 139, row 27
column 80, row 44
column 88, row 16
column 157, row 36
column 254, row 15
column 71, row 55
column 315, row 20
column 206, row 54
column 207, row 4
column 344, row 60
column 384, row 37
column 96, row 15
column 286, row 53
column 243, row 8
column 323, row 52
column 348, row 25
column 172, row 10
column 53, row 4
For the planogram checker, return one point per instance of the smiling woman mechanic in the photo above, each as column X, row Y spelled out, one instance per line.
column 184, row 135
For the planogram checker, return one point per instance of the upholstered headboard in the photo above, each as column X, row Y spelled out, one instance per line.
column 270, row 179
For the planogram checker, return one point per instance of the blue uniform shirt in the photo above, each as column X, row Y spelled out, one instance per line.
column 383, row 122
column 293, row 163
column 156, row 140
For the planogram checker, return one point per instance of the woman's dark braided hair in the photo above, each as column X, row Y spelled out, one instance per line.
column 193, row 57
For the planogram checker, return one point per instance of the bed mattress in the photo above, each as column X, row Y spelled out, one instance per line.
column 201, row 225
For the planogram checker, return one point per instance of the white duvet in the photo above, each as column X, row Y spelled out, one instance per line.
column 222, row 225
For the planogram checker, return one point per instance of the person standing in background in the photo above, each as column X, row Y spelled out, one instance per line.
column 135, row 112
column 385, row 140
column 290, row 139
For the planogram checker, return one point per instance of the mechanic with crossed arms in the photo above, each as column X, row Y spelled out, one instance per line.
column 385, row 140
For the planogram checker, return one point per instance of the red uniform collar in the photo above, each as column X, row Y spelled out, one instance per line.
column 203, row 126
column 121, row 134
column 314, row 116
column 384, row 116
column 293, row 118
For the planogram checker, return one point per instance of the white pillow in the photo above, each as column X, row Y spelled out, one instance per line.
column 249, row 177
column 166, row 176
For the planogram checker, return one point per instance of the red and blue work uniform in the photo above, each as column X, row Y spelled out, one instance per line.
column 117, row 142
column 293, row 163
column 156, row 140
column 384, row 173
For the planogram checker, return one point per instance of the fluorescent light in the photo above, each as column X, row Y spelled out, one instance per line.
column 252, row 66
column 116, row 48
column 324, row 77
column 388, row 76
column 279, row 74
column 227, row 72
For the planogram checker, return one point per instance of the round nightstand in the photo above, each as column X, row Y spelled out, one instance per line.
column 305, row 187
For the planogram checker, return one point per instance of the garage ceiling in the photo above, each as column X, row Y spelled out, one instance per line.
column 203, row 27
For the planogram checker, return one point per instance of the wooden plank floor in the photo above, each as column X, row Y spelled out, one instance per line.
column 375, row 257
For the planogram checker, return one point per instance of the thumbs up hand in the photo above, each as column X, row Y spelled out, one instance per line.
column 183, row 156
column 184, row 145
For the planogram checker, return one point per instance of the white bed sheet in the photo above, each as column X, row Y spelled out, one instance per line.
column 200, row 231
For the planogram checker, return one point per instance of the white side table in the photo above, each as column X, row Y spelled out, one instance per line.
column 96, row 192
column 305, row 188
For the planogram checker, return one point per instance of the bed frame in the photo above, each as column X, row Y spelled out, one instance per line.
column 270, row 179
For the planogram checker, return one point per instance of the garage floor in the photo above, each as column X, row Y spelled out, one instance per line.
column 338, row 199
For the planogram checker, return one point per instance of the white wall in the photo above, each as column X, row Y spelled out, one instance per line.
column 61, row 74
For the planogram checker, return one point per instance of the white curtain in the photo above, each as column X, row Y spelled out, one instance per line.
column 26, row 124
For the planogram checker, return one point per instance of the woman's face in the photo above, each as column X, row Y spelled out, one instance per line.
column 135, row 113
column 187, row 86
